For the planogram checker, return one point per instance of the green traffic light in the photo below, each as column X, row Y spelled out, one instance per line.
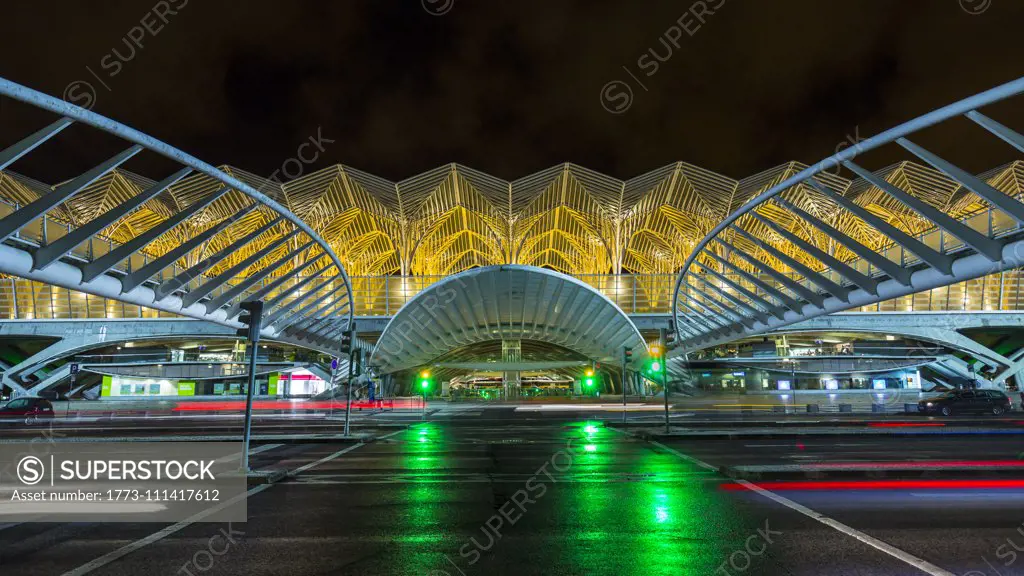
column 425, row 384
column 589, row 382
column 656, row 366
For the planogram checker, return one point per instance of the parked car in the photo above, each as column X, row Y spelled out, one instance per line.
column 967, row 401
column 26, row 410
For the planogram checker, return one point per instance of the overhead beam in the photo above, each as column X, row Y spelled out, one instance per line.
column 863, row 281
column 57, row 249
column 892, row 269
column 933, row 258
column 829, row 286
column 212, row 284
column 1003, row 202
column 982, row 244
column 237, row 289
column 124, row 251
column 15, row 151
column 167, row 287
column 158, row 265
column 259, row 294
column 18, row 219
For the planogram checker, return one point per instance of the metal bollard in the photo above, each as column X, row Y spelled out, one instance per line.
column 846, row 407
column 813, row 408
column 876, row 408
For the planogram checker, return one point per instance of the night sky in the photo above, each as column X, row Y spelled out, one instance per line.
column 510, row 87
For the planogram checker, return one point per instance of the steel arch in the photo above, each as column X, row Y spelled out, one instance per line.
column 294, row 246
column 750, row 274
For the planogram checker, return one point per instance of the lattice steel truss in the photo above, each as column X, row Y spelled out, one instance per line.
column 807, row 242
column 196, row 243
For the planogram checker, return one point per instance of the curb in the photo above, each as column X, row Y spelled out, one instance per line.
column 761, row 473
column 826, row 433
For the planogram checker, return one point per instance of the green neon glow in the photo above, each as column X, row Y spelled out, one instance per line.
column 589, row 382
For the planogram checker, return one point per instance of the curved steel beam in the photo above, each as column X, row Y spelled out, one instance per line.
column 97, row 276
column 816, row 291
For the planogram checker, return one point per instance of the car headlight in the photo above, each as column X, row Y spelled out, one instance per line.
column 928, row 404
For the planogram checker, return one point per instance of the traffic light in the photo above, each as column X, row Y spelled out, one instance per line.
column 591, row 381
column 669, row 337
column 425, row 381
column 252, row 319
column 656, row 362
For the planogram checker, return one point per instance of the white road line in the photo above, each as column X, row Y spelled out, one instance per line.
column 256, row 450
column 689, row 459
column 875, row 543
column 160, row 535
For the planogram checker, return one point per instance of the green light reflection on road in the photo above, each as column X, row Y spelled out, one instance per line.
column 671, row 523
column 422, row 504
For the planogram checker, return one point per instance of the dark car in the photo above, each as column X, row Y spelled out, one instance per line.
column 27, row 410
column 967, row 401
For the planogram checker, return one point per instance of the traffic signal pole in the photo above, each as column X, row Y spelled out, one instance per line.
column 663, row 334
column 248, row 405
column 625, row 360
column 252, row 318
column 348, row 401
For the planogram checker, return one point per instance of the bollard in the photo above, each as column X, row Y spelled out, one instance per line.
column 876, row 408
column 846, row 407
column 813, row 408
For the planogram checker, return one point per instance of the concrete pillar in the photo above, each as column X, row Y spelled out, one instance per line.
column 511, row 351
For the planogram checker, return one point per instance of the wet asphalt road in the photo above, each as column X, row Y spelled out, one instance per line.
column 560, row 497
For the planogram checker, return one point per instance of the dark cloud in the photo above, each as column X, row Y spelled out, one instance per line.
column 513, row 87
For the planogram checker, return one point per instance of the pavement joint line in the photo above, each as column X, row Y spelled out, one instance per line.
column 168, row 530
column 875, row 543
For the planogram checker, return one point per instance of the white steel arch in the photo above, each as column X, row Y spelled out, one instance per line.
column 508, row 302
column 277, row 257
column 773, row 262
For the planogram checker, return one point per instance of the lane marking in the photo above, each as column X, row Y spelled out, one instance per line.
column 875, row 543
column 167, row 531
column 160, row 535
column 689, row 459
column 253, row 451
